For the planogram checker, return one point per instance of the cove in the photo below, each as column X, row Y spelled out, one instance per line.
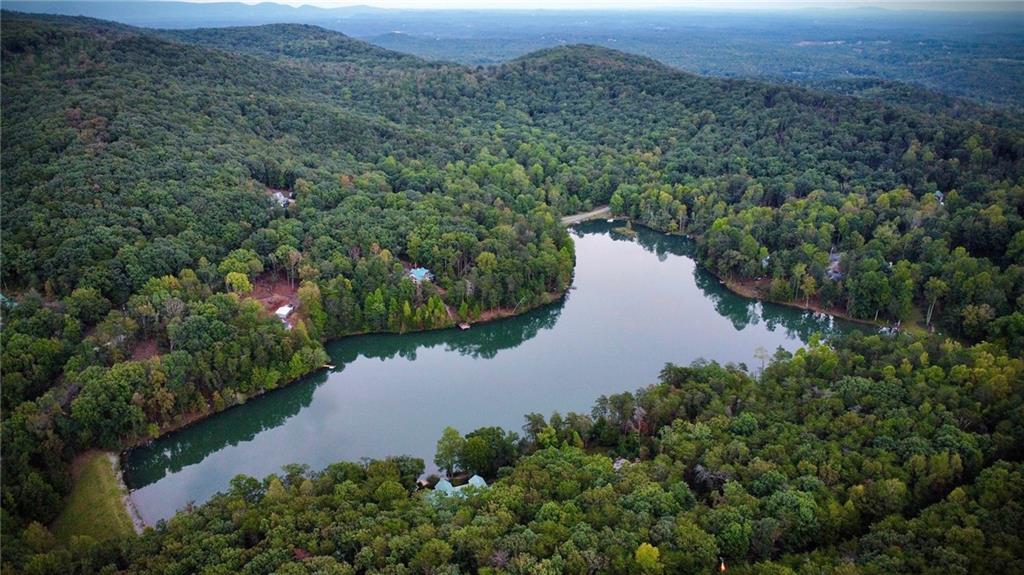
column 635, row 305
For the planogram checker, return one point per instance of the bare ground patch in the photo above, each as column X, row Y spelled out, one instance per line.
column 273, row 290
column 145, row 349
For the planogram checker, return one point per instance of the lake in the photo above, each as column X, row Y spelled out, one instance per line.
column 635, row 305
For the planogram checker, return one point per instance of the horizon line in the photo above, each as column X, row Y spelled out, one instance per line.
column 938, row 6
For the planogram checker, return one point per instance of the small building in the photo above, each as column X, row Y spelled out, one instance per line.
column 420, row 275
column 834, row 272
column 7, row 302
column 444, row 488
column 281, row 198
column 284, row 311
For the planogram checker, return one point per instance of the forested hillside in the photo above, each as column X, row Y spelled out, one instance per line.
column 311, row 44
column 156, row 185
column 969, row 50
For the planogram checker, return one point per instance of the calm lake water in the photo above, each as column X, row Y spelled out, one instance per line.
column 636, row 304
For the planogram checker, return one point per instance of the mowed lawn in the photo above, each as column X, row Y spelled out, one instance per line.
column 95, row 506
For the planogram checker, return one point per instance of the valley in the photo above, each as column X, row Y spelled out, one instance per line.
column 344, row 309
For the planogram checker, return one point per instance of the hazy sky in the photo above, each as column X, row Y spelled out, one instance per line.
column 641, row 4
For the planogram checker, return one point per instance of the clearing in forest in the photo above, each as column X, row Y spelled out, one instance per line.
column 145, row 349
column 273, row 291
column 96, row 504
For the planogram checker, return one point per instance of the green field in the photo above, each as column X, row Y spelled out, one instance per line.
column 95, row 506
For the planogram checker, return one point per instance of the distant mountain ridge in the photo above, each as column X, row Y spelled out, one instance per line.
column 299, row 41
column 967, row 54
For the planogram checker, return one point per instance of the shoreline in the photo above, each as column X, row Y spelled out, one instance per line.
column 193, row 417
column 126, row 498
column 99, row 504
column 750, row 290
column 596, row 213
column 742, row 289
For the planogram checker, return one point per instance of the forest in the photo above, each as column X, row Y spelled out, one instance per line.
column 155, row 182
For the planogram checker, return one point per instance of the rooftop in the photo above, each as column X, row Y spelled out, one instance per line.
column 445, row 488
column 420, row 274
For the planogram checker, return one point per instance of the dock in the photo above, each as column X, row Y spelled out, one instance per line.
column 601, row 212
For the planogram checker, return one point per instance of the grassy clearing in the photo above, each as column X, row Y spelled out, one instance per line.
column 915, row 323
column 95, row 507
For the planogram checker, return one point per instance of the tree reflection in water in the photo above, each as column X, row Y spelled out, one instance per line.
column 149, row 464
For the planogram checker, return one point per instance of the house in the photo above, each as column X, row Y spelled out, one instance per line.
column 284, row 311
column 420, row 274
column 444, row 488
column 834, row 272
column 281, row 198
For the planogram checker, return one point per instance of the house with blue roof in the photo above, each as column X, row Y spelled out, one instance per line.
column 444, row 488
column 419, row 275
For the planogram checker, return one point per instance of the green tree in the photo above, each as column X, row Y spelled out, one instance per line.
column 241, row 261
column 449, row 450
column 486, row 450
column 87, row 305
column 809, row 286
column 697, row 550
column 934, row 290
column 648, row 559
column 238, row 283
column 311, row 306
column 104, row 411
column 433, row 555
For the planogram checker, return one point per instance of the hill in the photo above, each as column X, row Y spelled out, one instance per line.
column 303, row 42
column 905, row 95
column 963, row 50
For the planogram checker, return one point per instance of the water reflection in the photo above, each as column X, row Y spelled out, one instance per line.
column 637, row 303
column 150, row 463
column 172, row 453
column 484, row 341
column 741, row 311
